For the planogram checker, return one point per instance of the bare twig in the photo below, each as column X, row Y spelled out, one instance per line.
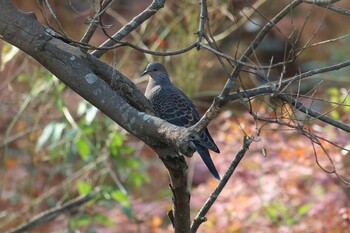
column 53, row 213
column 337, row 9
column 247, row 12
column 329, row 5
column 18, row 135
column 308, row 111
column 313, row 72
column 203, row 18
column 255, row 43
column 321, row 2
column 200, row 218
column 294, row 102
column 169, row 53
column 323, row 42
column 94, row 21
column 55, row 18
column 132, row 25
column 221, row 100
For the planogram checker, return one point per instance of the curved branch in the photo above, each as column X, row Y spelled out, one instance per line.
column 100, row 84
column 111, row 92
column 126, row 43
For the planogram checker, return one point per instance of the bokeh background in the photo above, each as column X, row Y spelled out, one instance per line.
column 55, row 146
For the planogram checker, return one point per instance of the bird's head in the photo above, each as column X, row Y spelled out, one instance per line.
column 156, row 70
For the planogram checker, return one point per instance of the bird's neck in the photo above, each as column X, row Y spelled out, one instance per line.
column 159, row 80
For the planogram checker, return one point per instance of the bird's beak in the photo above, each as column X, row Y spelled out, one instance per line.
column 144, row 73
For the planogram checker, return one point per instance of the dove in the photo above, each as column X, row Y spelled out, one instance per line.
column 173, row 106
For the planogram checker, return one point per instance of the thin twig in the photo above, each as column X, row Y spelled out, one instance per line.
column 200, row 218
column 294, row 102
column 203, row 18
column 169, row 53
column 337, row 9
column 329, row 5
column 255, row 43
column 93, row 23
column 308, row 111
column 321, row 2
column 119, row 44
column 53, row 213
column 132, row 25
column 55, row 18
column 323, row 42
column 310, row 73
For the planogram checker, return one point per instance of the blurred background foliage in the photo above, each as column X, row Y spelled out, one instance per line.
column 55, row 146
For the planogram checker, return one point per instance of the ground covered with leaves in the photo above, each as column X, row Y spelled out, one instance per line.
column 54, row 146
column 278, row 187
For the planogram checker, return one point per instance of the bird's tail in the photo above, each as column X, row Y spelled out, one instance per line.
column 204, row 153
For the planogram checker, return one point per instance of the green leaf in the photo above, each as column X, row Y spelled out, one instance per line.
column 83, row 148
column 83, row 187
column 117, row 140
column 272, row 213
column 82, row 220
column 103, row 219
column 333, row 91
column 304, row 208
column 116, row 144
column 132, row 163
column 120, row 197
column 335, row 114
column 23, row 78
column 127, row 150
column 138, row 178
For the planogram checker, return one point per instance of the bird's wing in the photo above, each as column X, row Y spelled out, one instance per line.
column 175, row 107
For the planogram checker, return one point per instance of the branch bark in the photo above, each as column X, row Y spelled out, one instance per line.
column 110, row 91
column 100, row 84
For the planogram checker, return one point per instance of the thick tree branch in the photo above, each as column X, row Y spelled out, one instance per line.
column 82, row 73
column 180, row 213
column 108, row 90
